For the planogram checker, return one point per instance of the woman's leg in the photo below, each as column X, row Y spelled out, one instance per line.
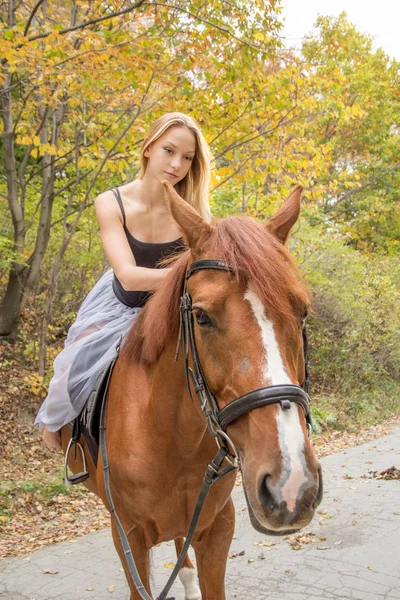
column 52, row 439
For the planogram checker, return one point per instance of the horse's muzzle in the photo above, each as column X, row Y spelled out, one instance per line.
column 271, row 516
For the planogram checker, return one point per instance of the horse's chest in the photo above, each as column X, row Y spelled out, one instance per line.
column 161, row 500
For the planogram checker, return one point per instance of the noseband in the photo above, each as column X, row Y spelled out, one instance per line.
column 217, row 419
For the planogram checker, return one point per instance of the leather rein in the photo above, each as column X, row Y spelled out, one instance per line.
column 217, row 421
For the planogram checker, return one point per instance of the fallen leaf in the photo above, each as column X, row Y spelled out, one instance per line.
column 169, row 565
column 323, row 547
column 251, row 560
column 110, row 588
column 268, row 544
column 49, row 572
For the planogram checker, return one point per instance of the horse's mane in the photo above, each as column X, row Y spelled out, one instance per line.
column 250, row 249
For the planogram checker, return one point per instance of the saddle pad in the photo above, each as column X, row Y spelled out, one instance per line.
column 90, row 416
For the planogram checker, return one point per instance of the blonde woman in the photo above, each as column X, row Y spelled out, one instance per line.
column 137, row 231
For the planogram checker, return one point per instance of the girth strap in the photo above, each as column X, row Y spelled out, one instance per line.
column 261, row 397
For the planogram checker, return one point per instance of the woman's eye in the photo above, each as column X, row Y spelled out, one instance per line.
column 189, row 158
column 168, row 150
column 203, row 319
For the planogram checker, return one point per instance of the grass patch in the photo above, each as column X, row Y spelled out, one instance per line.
column 33, row 493
column 47, row 490
column 359, row 408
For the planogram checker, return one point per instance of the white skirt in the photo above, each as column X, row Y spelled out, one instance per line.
column 91, row 343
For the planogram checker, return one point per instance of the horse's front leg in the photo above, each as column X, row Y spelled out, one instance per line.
column 212, row 547
column 187, row 574
column 141, row 556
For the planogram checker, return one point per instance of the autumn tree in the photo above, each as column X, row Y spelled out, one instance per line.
column 80, row 83
column 361, row 128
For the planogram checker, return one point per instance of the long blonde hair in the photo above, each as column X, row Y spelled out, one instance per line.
column 194, row 188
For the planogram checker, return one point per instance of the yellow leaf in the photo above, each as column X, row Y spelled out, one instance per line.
column 169, row 565
column 36, row 140
column 50, row 572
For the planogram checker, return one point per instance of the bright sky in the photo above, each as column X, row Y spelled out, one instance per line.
column 380, row 18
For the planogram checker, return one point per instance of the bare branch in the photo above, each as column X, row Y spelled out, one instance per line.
column 34, row 11
column 234, row 173
column 215, row 26
column 230, row 124
column 263, row 133
column 90, row 22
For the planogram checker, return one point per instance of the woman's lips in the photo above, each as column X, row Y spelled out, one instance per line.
column 171, row 175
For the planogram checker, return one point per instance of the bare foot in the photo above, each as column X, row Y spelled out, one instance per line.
column 52, row 439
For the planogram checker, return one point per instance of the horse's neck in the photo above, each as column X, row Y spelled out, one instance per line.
column 157, row 400
column 170, row 399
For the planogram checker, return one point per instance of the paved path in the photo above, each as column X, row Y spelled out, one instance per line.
column 359, row 559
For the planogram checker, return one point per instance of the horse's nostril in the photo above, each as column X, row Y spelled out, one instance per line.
column 266, row 496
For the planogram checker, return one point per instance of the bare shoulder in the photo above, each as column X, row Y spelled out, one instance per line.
column 106, row 205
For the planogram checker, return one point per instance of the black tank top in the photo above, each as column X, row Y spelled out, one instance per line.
column 147, row 254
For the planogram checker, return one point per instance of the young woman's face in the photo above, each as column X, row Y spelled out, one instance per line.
column 171, row 155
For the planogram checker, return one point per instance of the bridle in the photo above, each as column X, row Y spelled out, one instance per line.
column 217, row 420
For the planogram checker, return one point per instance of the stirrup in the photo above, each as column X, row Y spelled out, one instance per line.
column 76, row 477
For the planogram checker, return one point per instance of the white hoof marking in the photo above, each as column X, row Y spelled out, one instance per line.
column 189, row 581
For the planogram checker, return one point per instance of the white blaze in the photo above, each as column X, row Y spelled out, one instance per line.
column 274, row 371
column 291, row 436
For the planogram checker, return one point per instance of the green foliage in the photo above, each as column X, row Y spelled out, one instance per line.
column 354, row 329
column 360, row 87
column 321, row 420
column 225, row 201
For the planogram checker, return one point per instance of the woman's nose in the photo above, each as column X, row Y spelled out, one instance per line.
column 176, row 162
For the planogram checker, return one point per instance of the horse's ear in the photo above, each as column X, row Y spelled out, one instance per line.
column 282, row 222
column 194, row 228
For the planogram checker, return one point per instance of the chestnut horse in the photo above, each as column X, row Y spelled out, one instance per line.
column 247, row 324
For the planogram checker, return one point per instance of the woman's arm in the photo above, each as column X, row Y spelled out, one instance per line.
column 118, row 251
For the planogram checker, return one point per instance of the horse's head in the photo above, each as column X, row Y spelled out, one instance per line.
column 248, row 332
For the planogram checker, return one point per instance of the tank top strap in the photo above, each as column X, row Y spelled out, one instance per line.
column 119, row 200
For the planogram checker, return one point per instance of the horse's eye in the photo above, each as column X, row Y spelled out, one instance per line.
column 203, row 319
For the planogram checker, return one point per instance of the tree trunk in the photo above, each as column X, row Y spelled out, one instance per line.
column 48, row 313
column 10, row 307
